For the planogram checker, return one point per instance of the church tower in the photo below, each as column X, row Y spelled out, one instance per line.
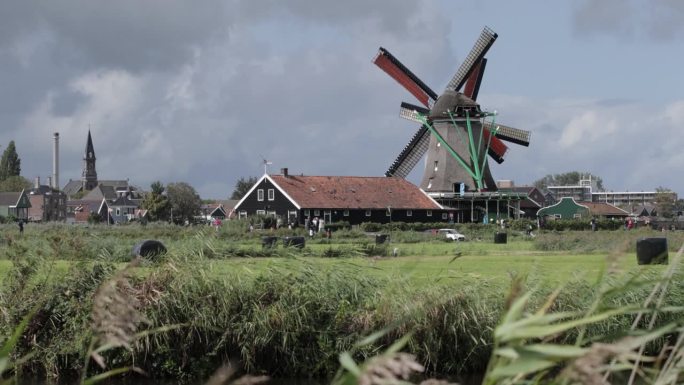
column 89, row 176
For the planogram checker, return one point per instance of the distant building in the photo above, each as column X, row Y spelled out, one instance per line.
column 568, row 208
column 14, row 204
column 47, row 203
column 587, row 191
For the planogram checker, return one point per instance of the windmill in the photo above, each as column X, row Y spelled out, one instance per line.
column 454, row 130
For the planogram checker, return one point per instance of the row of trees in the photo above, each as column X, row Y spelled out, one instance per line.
column 177, row 202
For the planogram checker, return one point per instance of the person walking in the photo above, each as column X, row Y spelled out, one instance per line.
column 21, row 226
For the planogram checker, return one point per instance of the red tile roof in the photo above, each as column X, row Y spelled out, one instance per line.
column 354, row 192
column 605, row 209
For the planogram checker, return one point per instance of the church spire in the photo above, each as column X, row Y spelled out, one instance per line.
column 89, row 176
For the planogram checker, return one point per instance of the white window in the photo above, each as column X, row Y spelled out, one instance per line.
column 271, row 194
column 260, row 195
column 577, row 216
column 436, row 167
column 317, row 213
column 243, row 214
column 272, row 214
column 118, row 211
column 409, row 213
column 368, row 213
column 429, row 213
column 444, row 216
column 307, row 213
column 261, row 212
column 345, row 213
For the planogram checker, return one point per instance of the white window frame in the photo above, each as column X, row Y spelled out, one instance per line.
column 445, row 216
column 260, row 195
column 272, row 214
column 242, row 214
column 428, row 213
column 368, row 213
column 577, row 216
column 118, row 211
column 317, row 213
column 261, row 212
column 307, row 212
column 271, row 194
column 409, row 213
column 345, row 213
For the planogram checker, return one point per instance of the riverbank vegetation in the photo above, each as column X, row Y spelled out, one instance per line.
column 221, row 297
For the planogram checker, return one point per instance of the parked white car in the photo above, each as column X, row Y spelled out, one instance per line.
column 452, row 234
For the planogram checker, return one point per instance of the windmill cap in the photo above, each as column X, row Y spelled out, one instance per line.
column 455, row 102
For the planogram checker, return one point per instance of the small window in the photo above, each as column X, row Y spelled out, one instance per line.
column 307, row 213
column 261, row 212
column 444, row 216
column 272, row 214
column 409, row 213
column 118, row 211
column 577, row 216
column 260, row 195
column 436, row 166
column 345, row 213
column 243, row 214
column 388, row 212
column 429, row 183
column 317, row 213
column 557, row 216
column 271, row 194
column 368, row 213
column 428, row 213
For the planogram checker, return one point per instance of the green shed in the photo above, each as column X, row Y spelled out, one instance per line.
column 566, row 208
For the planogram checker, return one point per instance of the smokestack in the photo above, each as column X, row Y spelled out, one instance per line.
column 36, row 183
column 49, row 181
column 284, row 171
column 55, row 162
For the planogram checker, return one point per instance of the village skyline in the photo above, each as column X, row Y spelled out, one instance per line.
column 200, row 94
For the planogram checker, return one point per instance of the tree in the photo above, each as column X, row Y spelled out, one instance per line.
column 571, row 178
column 156, row 203
column 242, row 186
column 665, row 202
column 10, row 164
column 15, row 183
column 184, row 200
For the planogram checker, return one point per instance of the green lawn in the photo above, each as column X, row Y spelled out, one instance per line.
column 423, row 263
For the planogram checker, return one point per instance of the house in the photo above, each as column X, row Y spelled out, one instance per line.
column 47, row 203
column 296, row 198
column 534, row 198
column 212, row 211
column 568, row 208
column 14, row 204
column 80, row 210
column 122, row 210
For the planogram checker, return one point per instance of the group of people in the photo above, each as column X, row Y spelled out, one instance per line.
column 316, row 225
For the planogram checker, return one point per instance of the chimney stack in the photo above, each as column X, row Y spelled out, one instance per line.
column 49, row 181
column 55, row 162
column 36, row 183
column 284, row 171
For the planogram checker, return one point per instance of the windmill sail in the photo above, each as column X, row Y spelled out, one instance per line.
column 411, row 154
column 510, row 134
column 393, row 67
column 486, row 39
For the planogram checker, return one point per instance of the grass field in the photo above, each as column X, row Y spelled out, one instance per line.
column 291, row 312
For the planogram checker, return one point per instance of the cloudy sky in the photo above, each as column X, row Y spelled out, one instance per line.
column 200, row 91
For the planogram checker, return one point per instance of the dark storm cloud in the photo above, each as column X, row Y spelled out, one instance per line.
column 629, row 19
column 129, row 34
